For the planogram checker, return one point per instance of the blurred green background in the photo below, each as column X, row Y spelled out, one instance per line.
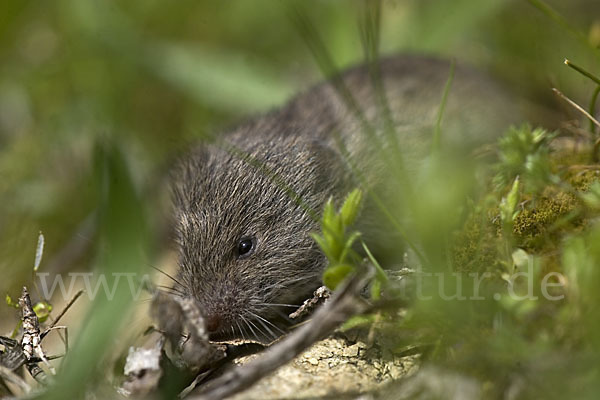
column 98, row 98
column 153, row 76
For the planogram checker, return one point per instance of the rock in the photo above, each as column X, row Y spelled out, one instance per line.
column 332, row 367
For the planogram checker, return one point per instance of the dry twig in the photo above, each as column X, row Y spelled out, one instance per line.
column 343, row 304
column 576, row 106
column 31, row 343
column 319, row 296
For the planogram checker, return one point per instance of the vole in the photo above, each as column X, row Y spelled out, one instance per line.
column 243, row 204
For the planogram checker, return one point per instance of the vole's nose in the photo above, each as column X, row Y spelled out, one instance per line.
column 213, row 322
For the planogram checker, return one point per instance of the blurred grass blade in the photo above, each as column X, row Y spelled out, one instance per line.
column 559, row 19
column 582, row 71
column 123, row 242
column 323, row 58
column 436, row 24
column 438, row 124
column 370, row 28
column 220, row 79
column 592, row 108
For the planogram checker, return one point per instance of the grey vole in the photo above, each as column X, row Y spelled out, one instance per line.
column 243, row 204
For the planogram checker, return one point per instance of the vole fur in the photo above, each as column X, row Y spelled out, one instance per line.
column 265, row 181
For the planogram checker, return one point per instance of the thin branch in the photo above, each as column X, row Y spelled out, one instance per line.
column 62, row 313
column 576, row 106
column 560, row 20
column 343, row 304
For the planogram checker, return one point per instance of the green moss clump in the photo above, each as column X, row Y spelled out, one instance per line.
column 555, row 212
column 544, row 218
column 539, row 220
column 475, row 245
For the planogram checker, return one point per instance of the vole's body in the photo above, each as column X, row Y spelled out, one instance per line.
column 258, row 184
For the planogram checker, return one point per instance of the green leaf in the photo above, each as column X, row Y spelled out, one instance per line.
column 323, row 244
column 351, row 206
column 10, row 303
column 334, row 244
column 329, row 214
column 348, row 246
column 358, row 321
column 42, row 310
column 335, row 274
column 513, row 196
column 509, row 203
column 380, row 273
column 376, row 289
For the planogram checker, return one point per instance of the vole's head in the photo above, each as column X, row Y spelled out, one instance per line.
column 243, row 222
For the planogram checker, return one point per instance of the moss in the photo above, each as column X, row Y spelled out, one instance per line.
column 553, row 213
column 540, row 218
column 574, row 167
column 475, row 245
column 543, row 220
column 581, row 177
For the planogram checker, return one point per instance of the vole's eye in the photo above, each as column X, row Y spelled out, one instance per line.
column 245, row 246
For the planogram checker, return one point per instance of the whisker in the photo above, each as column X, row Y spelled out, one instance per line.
column 282, row 285
column 267, row 334
column 170, row 288
column 249, row 327
column 142, row 301
column 268, row 322
column 167, row 275
column 278, row 305
column 285, row 316
column 171, row 292
column 269, row 331
column 241, row 331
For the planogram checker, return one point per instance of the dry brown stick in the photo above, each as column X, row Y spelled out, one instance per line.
column 62, row 313
column 31, row 343
column 343, row 304
column 587, row 114
column 576, row 106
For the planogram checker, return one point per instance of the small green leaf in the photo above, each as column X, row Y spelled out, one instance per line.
column 42, row 310
column 513, row 195
column 351, row 206
column 376, row 289
column 322, row 243
column 380, row 273
column 329, row 214
column 358, row 321
column 334, row 244
column 348, row 246
column 508, row 205
column 10, row 303
column 335, row 274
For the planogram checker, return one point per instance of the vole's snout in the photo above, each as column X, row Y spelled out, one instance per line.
column 221, row 305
